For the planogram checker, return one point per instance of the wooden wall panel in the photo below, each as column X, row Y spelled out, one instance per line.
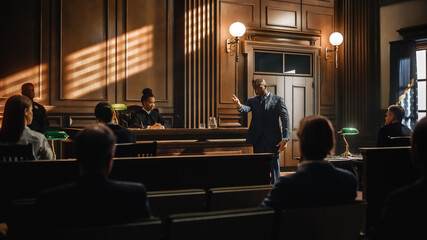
column 247, row 13
column 321, row 20
column 24, row 48
column 84, row 50
column 322, row 3
column 143, row 50
column 281, row 15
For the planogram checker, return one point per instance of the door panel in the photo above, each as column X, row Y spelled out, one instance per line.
column 298, row 93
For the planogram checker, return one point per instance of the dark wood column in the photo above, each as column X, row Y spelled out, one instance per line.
column 201, row 61
column 358, row 84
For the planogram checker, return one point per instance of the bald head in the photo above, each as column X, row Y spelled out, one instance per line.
column 27, row 89
column 260, row 87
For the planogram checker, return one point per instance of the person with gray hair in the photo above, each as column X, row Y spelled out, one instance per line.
column 93, row 199
column 393, row 128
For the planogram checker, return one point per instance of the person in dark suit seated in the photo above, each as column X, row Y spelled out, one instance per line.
column 265, row 133
column 393, row 128
column 40, row 122
column 104, row 113
column 93, row 199
column 316, row 182
column 405, row 209
column 148, row 116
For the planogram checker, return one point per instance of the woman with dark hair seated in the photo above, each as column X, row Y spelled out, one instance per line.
column 18, row 113
column 316, row 182
column 148, row 116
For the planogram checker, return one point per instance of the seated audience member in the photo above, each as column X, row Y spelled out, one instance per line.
column 147, row 116
column 40, row 122
column 393, row 127
column 316, row 182
column 405, row 210
column 93, row 199
column 104, row 113
column 18, row 113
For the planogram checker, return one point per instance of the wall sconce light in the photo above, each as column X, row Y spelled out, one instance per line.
column 335, row 39
column 237, row 29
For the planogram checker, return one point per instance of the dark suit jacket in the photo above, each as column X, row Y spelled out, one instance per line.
column 40, row 122
column 123, row 135
column 93, row 200
column 142, row 117
column 392, row 130
column 265, row 120
column 404, row 215
column 315, row 183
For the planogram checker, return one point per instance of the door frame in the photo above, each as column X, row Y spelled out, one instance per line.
column 249, row 47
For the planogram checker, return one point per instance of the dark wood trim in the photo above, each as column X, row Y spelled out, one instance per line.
column 388, row 2
column 414, row 32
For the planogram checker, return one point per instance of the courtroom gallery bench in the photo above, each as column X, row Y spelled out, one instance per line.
column 384, row 170
column 334, row 222
column 25, row 179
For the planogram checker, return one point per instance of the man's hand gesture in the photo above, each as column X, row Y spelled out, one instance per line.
column 236, row 101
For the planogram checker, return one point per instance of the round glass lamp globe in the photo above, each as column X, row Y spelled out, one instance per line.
column 336, row 38
column 237, row 29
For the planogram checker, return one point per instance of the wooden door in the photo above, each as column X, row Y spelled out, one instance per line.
column 298, row 93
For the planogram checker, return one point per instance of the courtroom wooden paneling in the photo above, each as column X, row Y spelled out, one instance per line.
column 201, row 62
column 322, row 3
column 86, row 59
column 24, row 48
column 321, row 20
column 143, row 50
column 246, row 12
column 281, row 15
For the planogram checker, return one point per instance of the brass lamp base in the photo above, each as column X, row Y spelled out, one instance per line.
column 347, row 153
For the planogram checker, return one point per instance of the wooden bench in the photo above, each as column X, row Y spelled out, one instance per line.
column 335, row 222
column 384, row 170
column 256, row 223
column 237, row 197
column 164, row 203
column 16, row 152
column 150, row 229
column 25, row 179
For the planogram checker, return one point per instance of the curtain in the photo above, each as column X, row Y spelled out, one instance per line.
column 402, row 70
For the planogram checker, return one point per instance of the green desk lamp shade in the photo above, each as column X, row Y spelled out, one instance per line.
column 56, row 135
column 347, row 131
column 119, row 107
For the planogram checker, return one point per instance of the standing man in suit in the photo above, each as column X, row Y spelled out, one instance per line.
column 104, row 113
column 40, row 122
column 93, row 199
column 265, row 133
